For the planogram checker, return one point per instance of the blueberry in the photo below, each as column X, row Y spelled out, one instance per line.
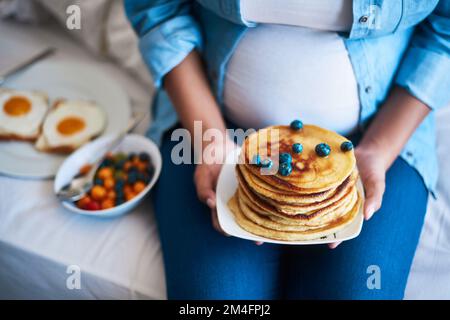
column 120, row 195
column 256, row 160
column 107, row 162
column 323, row 150
column 98, row 182
column 296, row 125
column 119, row 185
column 285, row 158
column 119, row 200
column 143, row 156
column 146, row 179
column 346, row 146
column 297, row 148
column 119, row 164
column 132, row 177
column 140, row 176
column 285, row 169
column 118, row 190
column 266, row 163
column 133, row 169
column 131, row 156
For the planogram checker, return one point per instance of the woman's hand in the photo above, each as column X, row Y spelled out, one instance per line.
column 205, row 179
column 372, row 170
column 388, row 133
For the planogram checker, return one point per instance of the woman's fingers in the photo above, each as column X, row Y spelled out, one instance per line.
column 205, row 183
column 205, row 187
column 334, row 245
column 215, row 223
column 374, row 188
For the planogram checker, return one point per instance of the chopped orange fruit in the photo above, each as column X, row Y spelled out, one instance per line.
column 105, row 173
column 138, row 186
column 129, row 195
column 141, row 166
column 111, row 194
column 107, row 203
column 127, row 189
column 127, row 165
column 135, row 161
column 83, row 202
column 85, row 169
column 109, row 183
column 98, row 192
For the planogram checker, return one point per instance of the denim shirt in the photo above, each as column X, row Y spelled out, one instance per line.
column 402, row 42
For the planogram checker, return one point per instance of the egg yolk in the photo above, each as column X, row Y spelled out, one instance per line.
column 17, row 106
column 70, row 125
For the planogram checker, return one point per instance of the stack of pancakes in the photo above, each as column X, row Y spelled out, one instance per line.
column 318, row 198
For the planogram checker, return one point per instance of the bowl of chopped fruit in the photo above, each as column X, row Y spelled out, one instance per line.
column 124, row 177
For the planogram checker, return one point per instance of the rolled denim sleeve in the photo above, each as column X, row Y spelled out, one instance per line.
column 167, row 33
column 425, row 69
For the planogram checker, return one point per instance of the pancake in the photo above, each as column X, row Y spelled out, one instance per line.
column 264, row 219
column 259, row 186
column 300, row 213
column 331, row 215
column 292, row 202
column 311, row 173
column 309, row 234
column 321, row 220
column 312, row 218
column 317, row 198
column 339, row 193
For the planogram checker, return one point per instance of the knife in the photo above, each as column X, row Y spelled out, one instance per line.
column 26, row 63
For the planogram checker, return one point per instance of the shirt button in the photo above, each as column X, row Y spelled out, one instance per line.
column 409, row 154
column 363, row 19
column 368, row 89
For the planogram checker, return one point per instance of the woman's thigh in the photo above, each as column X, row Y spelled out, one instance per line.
column 376, row 264
column 199, row 262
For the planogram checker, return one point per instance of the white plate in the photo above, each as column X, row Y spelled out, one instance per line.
column 228, row 184
column 131, row 143
column 62, row 80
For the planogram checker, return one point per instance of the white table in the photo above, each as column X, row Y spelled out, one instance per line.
column 118, row 258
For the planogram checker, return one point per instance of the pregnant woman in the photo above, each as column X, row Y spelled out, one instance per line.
column 372, row 70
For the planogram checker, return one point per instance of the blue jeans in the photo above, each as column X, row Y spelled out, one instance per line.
column 200, row 263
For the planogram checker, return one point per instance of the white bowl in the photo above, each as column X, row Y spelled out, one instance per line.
column 131, row 143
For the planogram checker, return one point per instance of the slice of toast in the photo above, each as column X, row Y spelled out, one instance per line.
column 41, row 142
column 43, row 146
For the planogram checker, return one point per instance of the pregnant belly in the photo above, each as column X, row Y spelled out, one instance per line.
column 279, row 73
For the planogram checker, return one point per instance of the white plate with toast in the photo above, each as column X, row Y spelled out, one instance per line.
column 226, row 187
column 68, row 81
